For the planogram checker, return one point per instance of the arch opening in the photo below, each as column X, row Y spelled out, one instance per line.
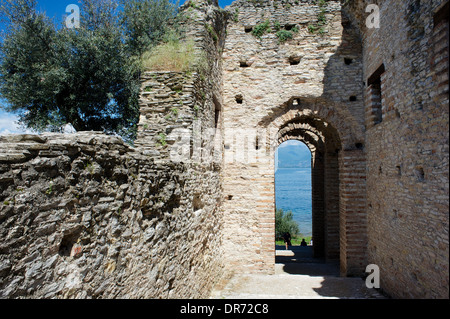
column 337, row 187
column 324, row 144
column 293, row 189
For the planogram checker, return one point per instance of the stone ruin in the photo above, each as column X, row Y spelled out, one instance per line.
column 85, row 215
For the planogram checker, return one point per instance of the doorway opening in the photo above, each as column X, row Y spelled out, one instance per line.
column 294, row 213
column 324, row 145
column 293, row 193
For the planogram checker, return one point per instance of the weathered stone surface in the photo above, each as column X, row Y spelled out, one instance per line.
column 296, row 89
column 407, row 151
column 91, row 237
column 86, row 216
column 283, row 91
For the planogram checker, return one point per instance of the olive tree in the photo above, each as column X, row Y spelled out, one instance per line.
column 51, row 75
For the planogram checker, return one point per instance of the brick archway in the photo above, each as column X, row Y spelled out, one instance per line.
column 337, row 143
column 338, row 177
column 325, row 185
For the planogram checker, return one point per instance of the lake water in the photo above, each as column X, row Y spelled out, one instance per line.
column 293, row 192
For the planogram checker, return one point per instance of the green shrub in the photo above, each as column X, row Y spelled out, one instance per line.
column 284, row 222
column 260, row 29
column 312, row 28
column 236, row 15
column 211, row 32
column 284, row 35
column 277, row 26
column 162, row 139
column 321, row 18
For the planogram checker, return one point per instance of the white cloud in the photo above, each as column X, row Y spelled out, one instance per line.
column 8, row 122
column 9, row 125
column 5, row 131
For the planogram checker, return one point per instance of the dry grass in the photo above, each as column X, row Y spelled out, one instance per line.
column 173, row 56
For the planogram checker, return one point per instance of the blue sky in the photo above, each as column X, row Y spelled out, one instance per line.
column 54, row 9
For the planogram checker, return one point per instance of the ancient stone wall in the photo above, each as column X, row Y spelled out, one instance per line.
column 406, row 75
column 352, row 94
column 87, row 216
column 292, row 70
column 181, row 111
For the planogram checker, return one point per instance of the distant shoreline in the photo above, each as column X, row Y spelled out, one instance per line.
column 296, row 240
column 306, row 167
